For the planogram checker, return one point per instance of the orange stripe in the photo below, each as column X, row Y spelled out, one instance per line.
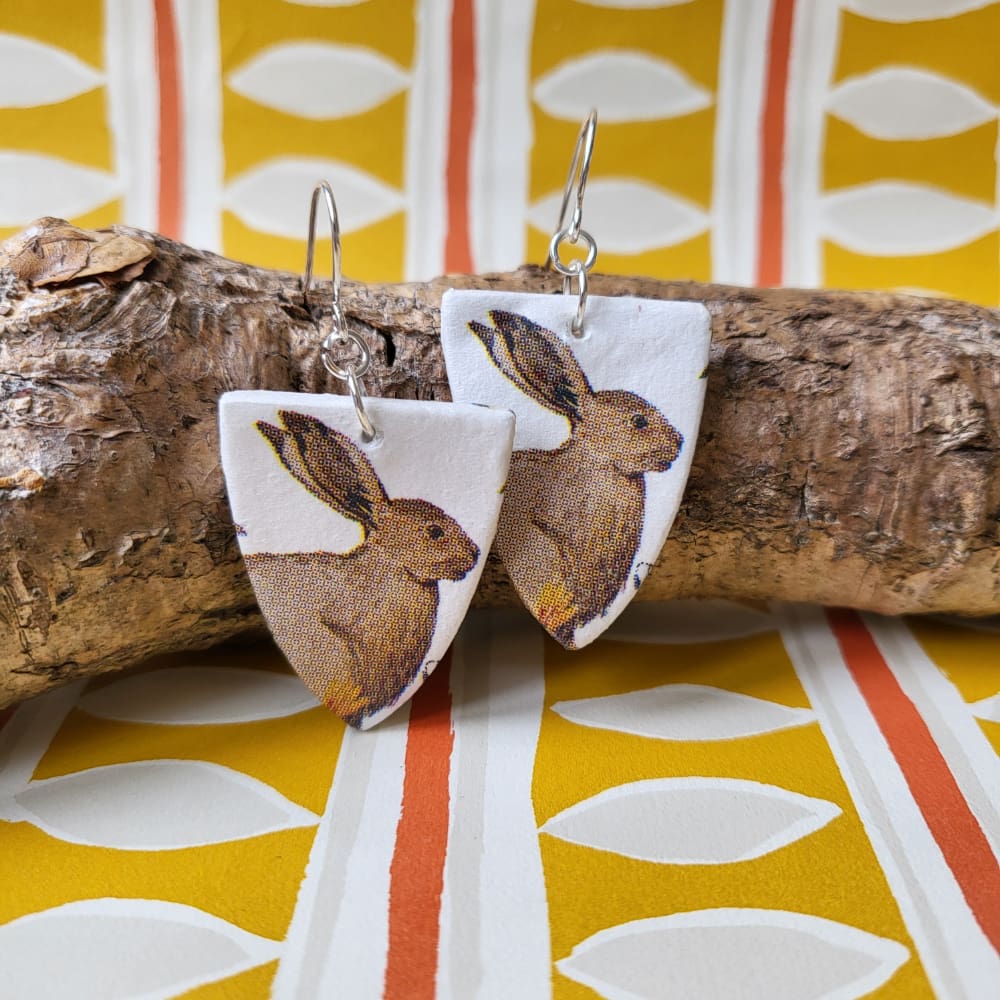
column 457, row 246
column 772, row 208
column 416, row 876
column 962, row 841
column 171, row 148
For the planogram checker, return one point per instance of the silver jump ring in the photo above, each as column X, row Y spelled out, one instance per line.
column 369, row 432
column 359, row 366
column 339, row 336
column 573, row 266
column 576, row 182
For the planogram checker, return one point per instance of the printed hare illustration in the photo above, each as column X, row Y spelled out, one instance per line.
column 572, row 517
column 357, row 625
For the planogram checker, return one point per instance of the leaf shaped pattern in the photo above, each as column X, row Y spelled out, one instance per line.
column 270, row 197
column 32, row 73
column 685, row 622
column 913, row 10
column 185, row 696
column 988, row 709
column 891, row 217
column 627, row 86
column 734, row 954
column 631, row 216
column 318, row 80
column 32, row 185
column 75, row 951
column 905, row 103
column 692, row 821
column 154, row 805
column 691, row 712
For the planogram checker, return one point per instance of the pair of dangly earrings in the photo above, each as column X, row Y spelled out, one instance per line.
column 568, row 445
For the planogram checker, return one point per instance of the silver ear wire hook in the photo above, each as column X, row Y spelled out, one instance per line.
column 339, row 335
column 573, row 233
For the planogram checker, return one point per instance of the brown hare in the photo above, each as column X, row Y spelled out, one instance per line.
column 356, row 624
column 572, row 516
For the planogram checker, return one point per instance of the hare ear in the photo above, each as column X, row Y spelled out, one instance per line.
column 328, row 464
column 536, row 361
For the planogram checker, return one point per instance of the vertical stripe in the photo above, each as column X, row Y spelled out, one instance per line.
column 427, row 142
column 955, row 953
column 417, row 872
column 494, row 903
column 171, row 153
column 458, row 249
column 738, row 146
column 813, row 54
column 28, row 732
column 130, row 62
column 502, row 134
column 772, row 211
column 971, row 759
column 947, row 814
column 201, row 120
column 343, row 906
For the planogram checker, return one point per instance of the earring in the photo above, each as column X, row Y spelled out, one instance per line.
column 364, row 523
column 608, row 395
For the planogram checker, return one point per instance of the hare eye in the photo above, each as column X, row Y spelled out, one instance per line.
column 436, row 532
column 639, row 421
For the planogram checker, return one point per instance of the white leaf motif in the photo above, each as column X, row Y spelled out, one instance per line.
column 914, row 10
column 894, row 218
column 146, row 948
column 32, row 185
column 631, row 216
column 32, row 73
column 692, row 821
column 734, row 954
column 634, row 4
column 904, row 103
column 270, row 197
column 689, row 712
column 987, row 709
column 185, row 696
column 318, row 80
column 682, row 622
column 627, row 86
column 155, row 805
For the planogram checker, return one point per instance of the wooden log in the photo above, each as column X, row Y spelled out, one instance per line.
column 848, row 453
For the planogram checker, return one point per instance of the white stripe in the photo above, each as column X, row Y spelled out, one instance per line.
column 740, row 104
column 201, row 117
column 957, row 956
column 427, row 142
column 27, row 734
column 815, row 42
column 963, row 744
column 501, row 134
column 337, row 942
column 130, row 56
column 494, row 914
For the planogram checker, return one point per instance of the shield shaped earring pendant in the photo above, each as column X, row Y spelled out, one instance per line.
column 608, row 395
column 364, row 523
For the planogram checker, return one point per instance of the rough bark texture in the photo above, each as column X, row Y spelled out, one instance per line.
column 848, row 454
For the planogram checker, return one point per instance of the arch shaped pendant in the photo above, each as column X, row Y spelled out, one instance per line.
column 606, row 429
column 363, row 557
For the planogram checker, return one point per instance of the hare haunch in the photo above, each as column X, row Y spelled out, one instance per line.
column 572, row 516
column 356, row 625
